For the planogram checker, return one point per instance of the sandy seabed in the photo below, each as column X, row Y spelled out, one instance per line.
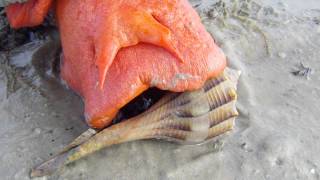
column 276, row 135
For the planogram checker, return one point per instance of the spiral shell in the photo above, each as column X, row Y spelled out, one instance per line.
column 189, row 118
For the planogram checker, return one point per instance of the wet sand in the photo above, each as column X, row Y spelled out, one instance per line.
column 276, row 135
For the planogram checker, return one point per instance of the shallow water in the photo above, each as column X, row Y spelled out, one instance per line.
column 276, row 135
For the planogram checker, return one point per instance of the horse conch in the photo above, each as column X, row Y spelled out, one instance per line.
column 115, row 50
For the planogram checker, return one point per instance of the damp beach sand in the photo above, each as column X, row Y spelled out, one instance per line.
column 275, row 44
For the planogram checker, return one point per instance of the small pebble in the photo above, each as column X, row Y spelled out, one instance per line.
column 37, row 130
column 244, row 146
column 312, row 171
column 282, row 55
column 213, row 14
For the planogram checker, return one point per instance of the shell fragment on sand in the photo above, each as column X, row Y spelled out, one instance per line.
column 188, row 118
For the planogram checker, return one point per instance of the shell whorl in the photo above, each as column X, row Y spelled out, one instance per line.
column 200, row 115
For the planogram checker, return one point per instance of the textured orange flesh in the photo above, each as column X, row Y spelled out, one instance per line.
column 28, row 14
column 178, row 54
